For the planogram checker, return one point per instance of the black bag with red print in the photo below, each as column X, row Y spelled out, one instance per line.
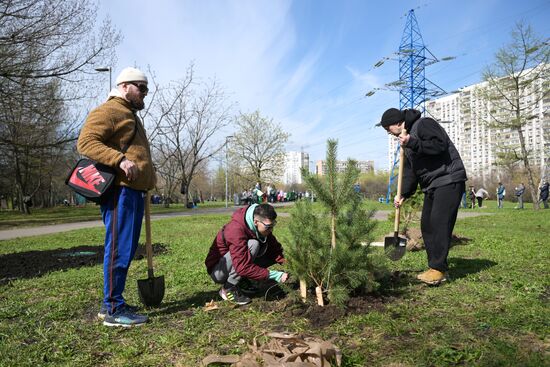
column 91, row 179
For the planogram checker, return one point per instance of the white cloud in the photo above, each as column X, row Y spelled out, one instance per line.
column 367, row 80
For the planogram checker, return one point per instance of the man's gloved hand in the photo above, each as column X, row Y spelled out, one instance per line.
column 278, row 276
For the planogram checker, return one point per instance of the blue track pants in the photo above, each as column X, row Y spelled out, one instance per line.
column 122, row 215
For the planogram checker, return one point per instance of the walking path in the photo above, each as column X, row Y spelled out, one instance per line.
column 57, row 228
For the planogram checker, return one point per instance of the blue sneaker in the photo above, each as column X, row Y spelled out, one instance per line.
column 103, row 310
column 125, row 318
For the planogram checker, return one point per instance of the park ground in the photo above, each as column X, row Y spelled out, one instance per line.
column 493, row 312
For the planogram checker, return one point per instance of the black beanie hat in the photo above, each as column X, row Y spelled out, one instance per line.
column 392, row 116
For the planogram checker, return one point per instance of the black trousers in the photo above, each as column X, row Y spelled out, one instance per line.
column 479, row 202
column 438, row 220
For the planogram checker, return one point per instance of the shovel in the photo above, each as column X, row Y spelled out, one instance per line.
column 151, row 290
column 396, row 246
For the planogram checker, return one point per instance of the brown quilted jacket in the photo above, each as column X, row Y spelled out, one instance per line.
column 106, row 130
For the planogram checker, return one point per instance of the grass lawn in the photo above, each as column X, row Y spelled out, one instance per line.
column 10, row 219
column 494, row 312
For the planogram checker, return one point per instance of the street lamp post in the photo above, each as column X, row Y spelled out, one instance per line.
column 110, row 74
column 226, row 165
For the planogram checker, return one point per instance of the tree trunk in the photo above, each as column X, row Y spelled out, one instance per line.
column 333, row 231
column 319, row 294
column 530, row 181
column 303, row 290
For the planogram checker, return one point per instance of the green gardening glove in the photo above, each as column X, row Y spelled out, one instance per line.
column 278, row 276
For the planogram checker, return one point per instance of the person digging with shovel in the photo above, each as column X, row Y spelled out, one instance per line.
column 243, row 250
column 432, row 161
column 106, row 130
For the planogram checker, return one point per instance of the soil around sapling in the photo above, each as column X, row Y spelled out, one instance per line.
column 291, row 307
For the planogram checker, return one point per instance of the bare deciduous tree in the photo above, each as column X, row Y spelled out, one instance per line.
column 169, row 176
column 31, row 139
column 52, row 38
column 517, row 82
column 259, row 144
column 46, row 46
column 188, row 117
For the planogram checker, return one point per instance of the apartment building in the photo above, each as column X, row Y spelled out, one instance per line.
column 466, row 118
column 364, row 167
column 294, row 161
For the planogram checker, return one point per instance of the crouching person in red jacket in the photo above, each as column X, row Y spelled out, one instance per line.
column 243, row 249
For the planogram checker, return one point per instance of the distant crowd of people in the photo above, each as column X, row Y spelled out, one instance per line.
column 256, row 195
column 477, row 196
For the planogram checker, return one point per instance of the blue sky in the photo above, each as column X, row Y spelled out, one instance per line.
column 308, row 64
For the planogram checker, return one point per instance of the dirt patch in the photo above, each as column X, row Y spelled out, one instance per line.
column 416, row 243
column 37, row 263
column 414, row 240
column 290, row 306
column 322, row 316
column 367, row 303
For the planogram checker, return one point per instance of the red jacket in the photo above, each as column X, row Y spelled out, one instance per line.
column 237, row 234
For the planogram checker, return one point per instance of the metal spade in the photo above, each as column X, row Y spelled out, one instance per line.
column 151, row 290
column 395, row 246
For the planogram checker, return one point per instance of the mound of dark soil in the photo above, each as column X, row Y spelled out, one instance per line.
column 321, row 316
column 416, row 243
column 32, row 264
column 291, row 307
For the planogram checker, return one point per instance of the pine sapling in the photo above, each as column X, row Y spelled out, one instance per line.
column 326, row 247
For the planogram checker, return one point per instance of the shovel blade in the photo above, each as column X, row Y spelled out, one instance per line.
column 151, row 291
column 395, row 247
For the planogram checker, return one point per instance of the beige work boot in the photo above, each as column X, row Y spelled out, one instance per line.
column 432, row 277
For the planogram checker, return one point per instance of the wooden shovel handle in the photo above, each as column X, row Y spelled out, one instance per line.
column 148, row 245
column 399, row 183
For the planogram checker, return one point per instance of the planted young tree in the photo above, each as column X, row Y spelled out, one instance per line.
column 327, row 247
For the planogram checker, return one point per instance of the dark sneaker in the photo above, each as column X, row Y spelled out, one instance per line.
column 247, row 287
column 103, row 310
column 234, row 295
column 125, row 318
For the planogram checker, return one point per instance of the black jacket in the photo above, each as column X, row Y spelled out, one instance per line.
column 431, row 157
column 544, row 191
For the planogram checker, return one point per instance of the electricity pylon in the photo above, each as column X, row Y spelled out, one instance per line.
column 413, row 85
